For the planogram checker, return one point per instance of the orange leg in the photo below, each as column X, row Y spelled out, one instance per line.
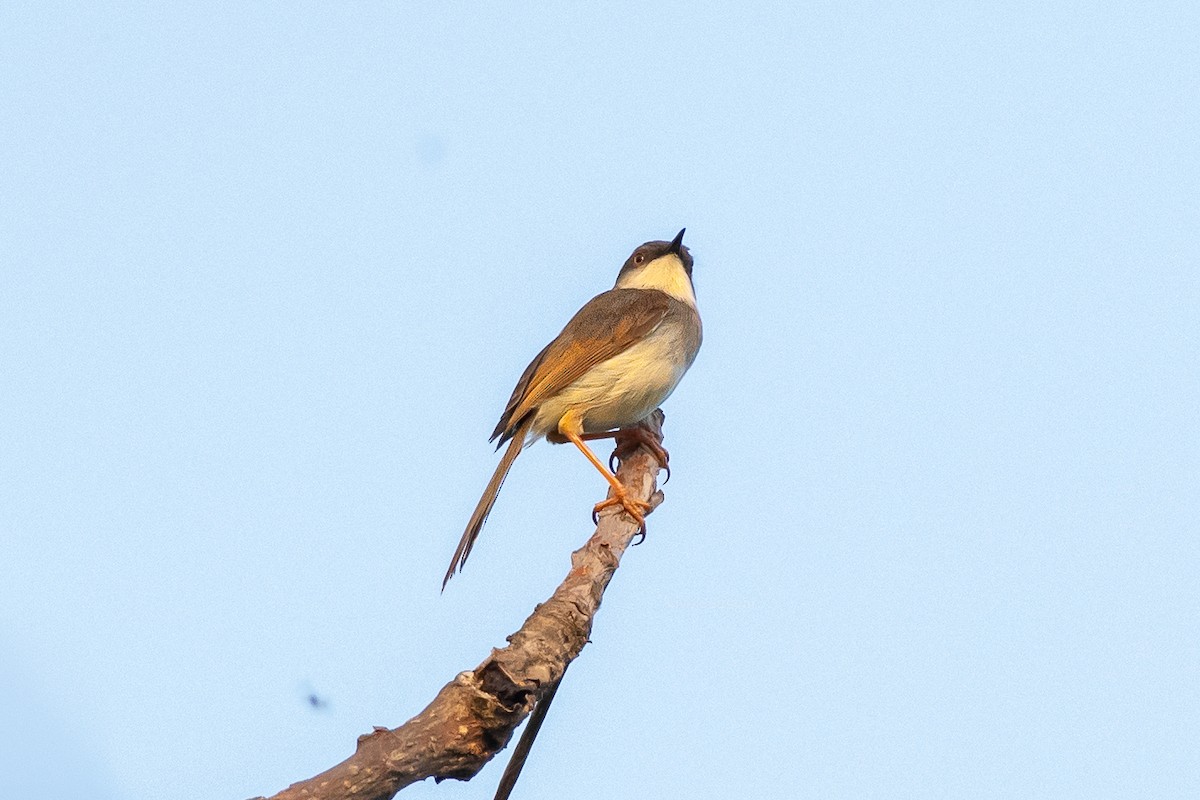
column 627, row 441
column 569, row 427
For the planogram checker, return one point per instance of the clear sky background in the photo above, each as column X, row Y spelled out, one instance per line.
column 269, row 274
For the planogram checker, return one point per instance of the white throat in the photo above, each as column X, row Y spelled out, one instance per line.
column 665, row 273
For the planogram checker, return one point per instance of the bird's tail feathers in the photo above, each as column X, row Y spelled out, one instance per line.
column 484, row 507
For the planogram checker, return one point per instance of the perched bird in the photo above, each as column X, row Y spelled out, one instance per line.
column 614, row 363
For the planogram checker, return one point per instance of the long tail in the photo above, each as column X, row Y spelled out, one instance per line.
column 488, row 500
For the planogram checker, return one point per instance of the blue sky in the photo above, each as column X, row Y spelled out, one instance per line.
column 268, row 275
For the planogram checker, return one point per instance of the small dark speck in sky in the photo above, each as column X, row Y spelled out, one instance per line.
column 314, row 700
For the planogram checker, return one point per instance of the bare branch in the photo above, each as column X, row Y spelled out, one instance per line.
column 474, row 716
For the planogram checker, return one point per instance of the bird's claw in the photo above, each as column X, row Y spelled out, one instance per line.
column 628, row 441
column 635, row 508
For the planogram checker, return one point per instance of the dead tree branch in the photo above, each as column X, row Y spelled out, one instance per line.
column 474, row 716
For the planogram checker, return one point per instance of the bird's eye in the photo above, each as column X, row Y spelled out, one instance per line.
column 639, row 258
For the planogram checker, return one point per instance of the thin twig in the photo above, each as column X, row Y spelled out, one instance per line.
column 516, row 762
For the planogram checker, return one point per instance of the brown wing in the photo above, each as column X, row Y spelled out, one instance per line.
column 608, row 324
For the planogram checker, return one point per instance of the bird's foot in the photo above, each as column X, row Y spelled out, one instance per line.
column 636, row 509
column 630, row 439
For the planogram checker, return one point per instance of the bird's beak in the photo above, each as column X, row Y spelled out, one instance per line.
column 677, row 243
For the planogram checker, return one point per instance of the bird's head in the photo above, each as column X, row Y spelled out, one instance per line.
column 666, row 266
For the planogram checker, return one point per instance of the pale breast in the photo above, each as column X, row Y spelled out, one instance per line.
column 625, row 389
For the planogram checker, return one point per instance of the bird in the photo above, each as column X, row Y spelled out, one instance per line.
column 615, row 362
